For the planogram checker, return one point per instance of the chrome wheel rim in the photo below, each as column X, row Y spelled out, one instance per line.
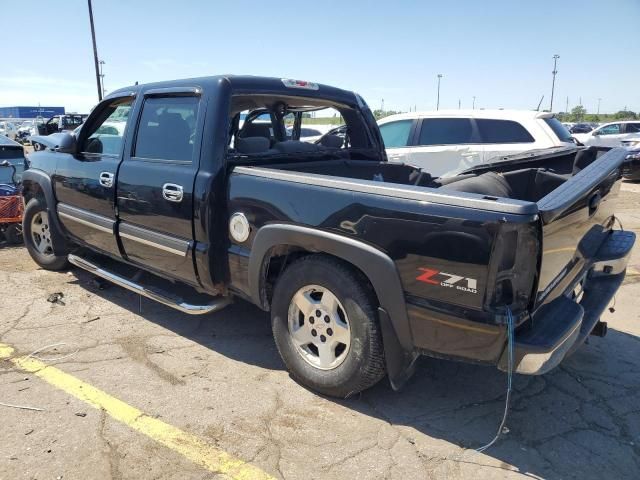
column 319, row 327
column 41, row 233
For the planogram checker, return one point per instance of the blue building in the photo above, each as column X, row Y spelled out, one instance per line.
column 30, row 112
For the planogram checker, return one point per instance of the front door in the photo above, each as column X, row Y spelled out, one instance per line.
column 607, row 136
column 155, row 184
column 85, row 182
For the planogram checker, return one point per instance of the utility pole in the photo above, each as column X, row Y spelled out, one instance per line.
column 459, row 104
column 438, row 100
column 599, row 99
column 553, row 83
column 382, row 105
column 95, row 51
column 473, row 105
column 566, row 110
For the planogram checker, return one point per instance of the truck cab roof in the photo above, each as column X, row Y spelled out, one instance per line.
column 250, row 83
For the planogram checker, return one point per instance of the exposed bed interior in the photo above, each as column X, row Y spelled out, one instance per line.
column 347, row 152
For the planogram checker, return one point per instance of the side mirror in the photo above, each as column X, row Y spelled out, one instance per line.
column 66, row 143
column 595, row 133
column 5, row 163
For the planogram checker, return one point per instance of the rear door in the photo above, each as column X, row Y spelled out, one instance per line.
column 445, row 145
column 631, row 131
column 502, row 137
column 155, row 183
column 85, row 182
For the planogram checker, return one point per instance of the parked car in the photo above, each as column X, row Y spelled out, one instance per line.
column 581, row 128
column 610, row 134
column 8, row 129
column 61, row 123
column 447, row 142
column 28, row 128
column 363, row 264
column 56, row 124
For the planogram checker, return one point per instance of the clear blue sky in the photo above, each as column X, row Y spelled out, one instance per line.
column 498, row 50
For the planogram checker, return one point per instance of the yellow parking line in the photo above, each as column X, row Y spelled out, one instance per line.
column 190, row 446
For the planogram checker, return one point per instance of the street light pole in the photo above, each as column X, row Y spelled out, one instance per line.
column 599, row 105
column 553, row 83
column 95, row 51
column 438, row 101
column 473, row 105
column 102, row 62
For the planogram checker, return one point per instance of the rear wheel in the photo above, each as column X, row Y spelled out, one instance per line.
column 38, row 237
column 325, row 325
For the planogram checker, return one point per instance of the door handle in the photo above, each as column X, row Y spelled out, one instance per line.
column 106, row 179
column 172, row 192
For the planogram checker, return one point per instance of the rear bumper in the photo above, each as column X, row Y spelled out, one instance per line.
column 561, row 326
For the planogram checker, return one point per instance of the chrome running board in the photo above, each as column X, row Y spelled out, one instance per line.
column 217, row 304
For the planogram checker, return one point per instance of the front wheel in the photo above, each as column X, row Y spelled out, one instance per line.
column 38, row 237
column 325, row 325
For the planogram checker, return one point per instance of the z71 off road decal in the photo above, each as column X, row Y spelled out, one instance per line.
column 449, row 280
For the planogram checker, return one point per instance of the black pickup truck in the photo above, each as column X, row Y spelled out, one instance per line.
column 201, row 191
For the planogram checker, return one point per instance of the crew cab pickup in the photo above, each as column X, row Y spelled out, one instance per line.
column 363, row 264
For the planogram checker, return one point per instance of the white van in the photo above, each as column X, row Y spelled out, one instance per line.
column 445, row 142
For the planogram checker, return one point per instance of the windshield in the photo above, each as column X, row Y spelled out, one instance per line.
column 559, row 129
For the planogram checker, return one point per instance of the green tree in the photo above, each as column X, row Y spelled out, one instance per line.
column 625, row 115
column 378, row 114
column 577, row 113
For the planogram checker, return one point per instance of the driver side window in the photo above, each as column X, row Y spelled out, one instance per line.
column 610, row 129
column 106, row 134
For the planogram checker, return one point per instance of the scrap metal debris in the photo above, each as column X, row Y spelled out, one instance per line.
column 23, row 407
column 56, row 298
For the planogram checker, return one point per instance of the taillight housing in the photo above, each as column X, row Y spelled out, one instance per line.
column 514, row 267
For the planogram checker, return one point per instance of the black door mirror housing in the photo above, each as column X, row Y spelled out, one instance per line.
column 65, row 143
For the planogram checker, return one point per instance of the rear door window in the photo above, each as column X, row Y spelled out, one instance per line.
column 503, row 131
column 633, row 127
column 167, row 129
column 446, row 131
column 396, row 134
column 560, row 131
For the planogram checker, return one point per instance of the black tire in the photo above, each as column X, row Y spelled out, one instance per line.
column 363, row 363
column 47, row 259
column 13, row 234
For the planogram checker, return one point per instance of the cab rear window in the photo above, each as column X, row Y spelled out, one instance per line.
column 559, row 130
